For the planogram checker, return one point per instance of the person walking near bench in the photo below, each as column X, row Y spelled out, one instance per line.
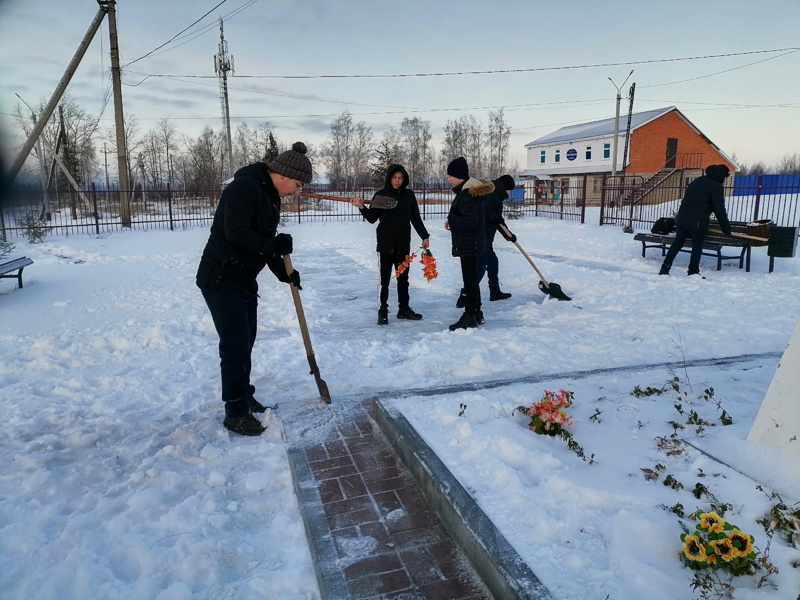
column 243, row 241
column 703, row 196
column 394, row 239
column 466, row 223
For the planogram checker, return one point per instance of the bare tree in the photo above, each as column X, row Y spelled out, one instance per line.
column 789, row 164
column 463, row 137
column 347, row 152
column 416, row 138
column 253, row 145
column 167, row 136
column 81, row 129
column 498, row 134
column 206, row 159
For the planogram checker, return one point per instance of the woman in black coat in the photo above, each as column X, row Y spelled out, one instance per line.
column 394, row 239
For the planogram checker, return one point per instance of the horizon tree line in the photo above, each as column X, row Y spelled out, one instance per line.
column 351, row 154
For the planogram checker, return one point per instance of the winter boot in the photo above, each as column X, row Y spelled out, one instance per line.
column 479, row 317
column 246, row 425
column 496, row 294
column 467, row 321
column 406, row 313
column 383, row 316
column 462, row 299
column 256, row 406
column 664, row 270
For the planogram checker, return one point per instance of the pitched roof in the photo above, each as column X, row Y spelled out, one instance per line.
column 600, row 128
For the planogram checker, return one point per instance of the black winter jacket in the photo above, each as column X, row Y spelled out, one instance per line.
column 467, row 217
column 394, row 225
column 242, row 239
column 704, row 196
column 494, row 210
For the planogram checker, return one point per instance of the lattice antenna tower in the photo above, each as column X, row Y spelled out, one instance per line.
column 223, row 64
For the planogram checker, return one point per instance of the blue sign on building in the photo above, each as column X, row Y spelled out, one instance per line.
column 572, row 154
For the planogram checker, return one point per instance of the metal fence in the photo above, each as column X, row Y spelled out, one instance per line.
column 620, row 199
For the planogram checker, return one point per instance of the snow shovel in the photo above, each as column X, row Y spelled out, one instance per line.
column 301, row 318
column 741, row 235
column 376, row 202
column 551, row 288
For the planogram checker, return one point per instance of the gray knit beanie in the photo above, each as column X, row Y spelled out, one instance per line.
column 293, row 163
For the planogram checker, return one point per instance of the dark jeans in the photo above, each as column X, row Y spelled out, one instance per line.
column 697, row 237
column 235, row 317
column 488, row 263
column 469, row 274
column 389, row 262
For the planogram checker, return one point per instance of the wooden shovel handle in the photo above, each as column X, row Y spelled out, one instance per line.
column 525, row 254
column 740, row 235
column 325, row 197
column 322, row 387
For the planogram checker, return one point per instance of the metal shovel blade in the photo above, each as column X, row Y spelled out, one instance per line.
column 554, row 290
column 382, row 202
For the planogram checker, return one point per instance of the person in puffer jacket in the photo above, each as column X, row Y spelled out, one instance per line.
column 394, row 239
column 466, row 223
column 705, row 195
column 243, row 241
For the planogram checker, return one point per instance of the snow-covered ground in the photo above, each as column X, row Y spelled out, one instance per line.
column 119, row 481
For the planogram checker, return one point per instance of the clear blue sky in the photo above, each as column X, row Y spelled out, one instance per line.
column 750, row 109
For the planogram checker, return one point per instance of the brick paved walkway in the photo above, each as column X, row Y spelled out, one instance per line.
column 383, row 536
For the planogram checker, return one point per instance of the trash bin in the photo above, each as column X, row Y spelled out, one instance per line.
column 782, row 243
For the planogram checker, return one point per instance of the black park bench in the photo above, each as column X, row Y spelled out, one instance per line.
column 712, row 245
column 17, row 264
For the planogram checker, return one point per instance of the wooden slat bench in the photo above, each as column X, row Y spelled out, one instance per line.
column 17, row 264
column 712, row 245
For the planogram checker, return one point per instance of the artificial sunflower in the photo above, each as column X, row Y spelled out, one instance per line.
column 724, row 548
column 693, row 549
column 712, row 522
column 742, row 543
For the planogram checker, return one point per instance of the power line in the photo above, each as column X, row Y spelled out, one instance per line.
column 176, row 35
column 720, row 72
column 498, row 71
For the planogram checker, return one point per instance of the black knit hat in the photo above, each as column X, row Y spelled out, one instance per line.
column 508, row 182
column 458, row 168
column 293, row 163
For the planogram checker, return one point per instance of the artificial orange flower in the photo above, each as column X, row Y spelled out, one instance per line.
column 712, row 522
column 742, row 543
column 724, row 548
column 693, row 549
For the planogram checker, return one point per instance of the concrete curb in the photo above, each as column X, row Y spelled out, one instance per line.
column 503, row 571
column 331, row 582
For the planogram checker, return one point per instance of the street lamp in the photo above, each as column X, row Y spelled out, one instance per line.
column 616, row 122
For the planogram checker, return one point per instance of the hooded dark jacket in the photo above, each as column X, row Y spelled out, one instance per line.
column 494, row 210
column 242, row 239
column 394, row 225
column 467, row 217
column 704, row 196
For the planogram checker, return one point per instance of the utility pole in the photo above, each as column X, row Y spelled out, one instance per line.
column 616, row 124
column 54, row 99
column 628, row 129
column 116, row 83
column 223, row 63
column 42, row 175
column 105, row 157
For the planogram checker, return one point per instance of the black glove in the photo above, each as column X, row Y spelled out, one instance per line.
column 294, row 279
column 283, row 244
column 509, row 236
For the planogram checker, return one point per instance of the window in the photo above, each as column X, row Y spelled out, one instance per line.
column 606, row 150
column 542, row 159
column 588, row 153
column 558, row 155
